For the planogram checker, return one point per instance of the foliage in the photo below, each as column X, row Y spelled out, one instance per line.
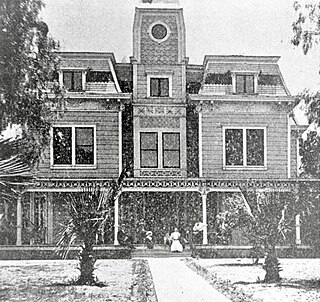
column 309, row 150
column 13, row 171
column 193, row 87
column 192, row 141
column 269, row 79
column 90, row 212
column 139, row 214
column 306, row 27
column 219, row 78
column 27, row 63
column 266, row 219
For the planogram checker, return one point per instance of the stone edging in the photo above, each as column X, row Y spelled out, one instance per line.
column 223, row 286
column 142, row 289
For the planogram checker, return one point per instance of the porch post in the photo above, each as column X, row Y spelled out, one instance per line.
column 19, row 220
column 116, row 221
column 50, row 218
column 200, row 140
column 298, row 228
column 204, row 217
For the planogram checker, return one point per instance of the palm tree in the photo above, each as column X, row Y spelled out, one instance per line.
column 90, row 211
column 14, row 172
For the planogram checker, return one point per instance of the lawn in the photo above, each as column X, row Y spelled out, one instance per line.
column 131, row 280
column 126, row 280
column 300, row 279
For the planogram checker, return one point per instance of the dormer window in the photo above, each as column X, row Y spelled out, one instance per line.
column 244, row 83
column 72, row 80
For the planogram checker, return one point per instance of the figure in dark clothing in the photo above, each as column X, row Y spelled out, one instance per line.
column 149, row 241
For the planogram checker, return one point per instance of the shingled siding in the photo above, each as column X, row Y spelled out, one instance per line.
column 153, row 52
column 212, row 136
column 107, row 146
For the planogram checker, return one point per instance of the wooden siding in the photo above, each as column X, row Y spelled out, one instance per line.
column 177, row 80
column 212, row 135
column 107, row 148
column 294, row 155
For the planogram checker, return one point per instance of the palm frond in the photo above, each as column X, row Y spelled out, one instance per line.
column 13, row 171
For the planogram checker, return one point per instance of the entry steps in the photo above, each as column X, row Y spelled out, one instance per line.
column 159, row 251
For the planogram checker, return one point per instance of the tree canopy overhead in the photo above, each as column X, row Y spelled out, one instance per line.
column 306, row 27
column 27, row 62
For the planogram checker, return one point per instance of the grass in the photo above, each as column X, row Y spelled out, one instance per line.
column 51, row 281
column 240, row 280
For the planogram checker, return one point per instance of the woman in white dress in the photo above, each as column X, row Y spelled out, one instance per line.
column 175, row 238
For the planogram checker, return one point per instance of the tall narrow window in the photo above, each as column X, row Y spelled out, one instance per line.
column 245, row 84
column 159, row 87
column 62, row 145
column 234, row 147
column 171, row 150
column 255, row 147
column 149, row 149
column 73, row 146
column 245, row 147
column 84, row 146
column 72, row 80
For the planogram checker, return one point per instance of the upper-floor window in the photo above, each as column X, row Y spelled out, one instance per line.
column 171, row 150
column 157, row 145
column 149, row 150
column 159, row 83
column 244, row 83
column 159, row 87
column 73, row 146
column 245, row 147
column 72, row 80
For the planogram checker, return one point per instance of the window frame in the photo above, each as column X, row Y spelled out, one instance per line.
column 73, row 164
column 160, row 149
column 73, row 71
column 159, row 76
column 244, row 148
column 254, row 74
column 157, row 150
column 154, row 38
column 163, row 150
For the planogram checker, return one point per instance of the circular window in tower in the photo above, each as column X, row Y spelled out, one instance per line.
column 159, row 31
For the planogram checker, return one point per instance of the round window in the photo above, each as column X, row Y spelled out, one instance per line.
column 159, row 31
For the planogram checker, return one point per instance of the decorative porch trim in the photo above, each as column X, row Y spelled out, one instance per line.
column 169, row 184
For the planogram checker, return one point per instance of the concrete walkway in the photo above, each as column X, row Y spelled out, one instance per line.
column 175, row 282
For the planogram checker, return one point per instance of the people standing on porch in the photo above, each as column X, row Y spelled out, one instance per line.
column 176, row 246
column 149, row 240
column 167, row 240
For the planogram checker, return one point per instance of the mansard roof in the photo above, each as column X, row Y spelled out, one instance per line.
column 222, row 64
column 99, row 61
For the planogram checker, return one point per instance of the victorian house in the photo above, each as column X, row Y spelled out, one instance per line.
column 190, row 135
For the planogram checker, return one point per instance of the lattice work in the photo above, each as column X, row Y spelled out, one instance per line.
column 159, row 122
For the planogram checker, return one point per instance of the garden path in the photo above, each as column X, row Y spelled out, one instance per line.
column 175, row 282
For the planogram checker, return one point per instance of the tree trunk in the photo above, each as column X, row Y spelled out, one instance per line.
column 272, row 266
column 87, row 261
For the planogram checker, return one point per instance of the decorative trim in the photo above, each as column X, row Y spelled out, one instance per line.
column 159, row 111
column 160, row 173
column 170, row 184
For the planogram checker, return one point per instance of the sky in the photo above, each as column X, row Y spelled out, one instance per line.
column 223, row 27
